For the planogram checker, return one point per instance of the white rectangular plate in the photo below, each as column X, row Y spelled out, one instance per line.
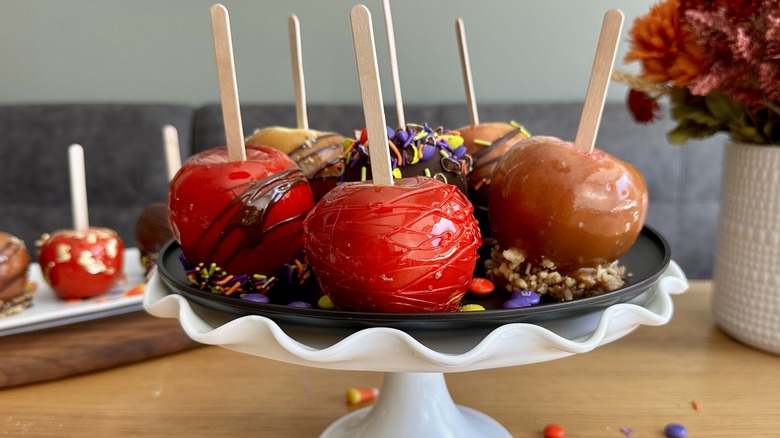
column 48, row 310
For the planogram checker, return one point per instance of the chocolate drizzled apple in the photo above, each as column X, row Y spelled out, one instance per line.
column 317, row 153
column 415, row 150
column 245, row 216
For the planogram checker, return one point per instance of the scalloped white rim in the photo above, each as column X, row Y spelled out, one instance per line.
column 386, row 349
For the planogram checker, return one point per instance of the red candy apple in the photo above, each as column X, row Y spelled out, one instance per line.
column 407, row 247
column 81, row 263
column 576, row 208
column 245, row 216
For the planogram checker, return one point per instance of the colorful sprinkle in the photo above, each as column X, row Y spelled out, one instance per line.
column 361, row 395
column 300, row 304
column 480, row 142
column 626, row 431
column 481, row 286
column 471, row 308
column 675, row 430
column 397, row 173
column 696, row 406
column 554, row 431
column 325, row 303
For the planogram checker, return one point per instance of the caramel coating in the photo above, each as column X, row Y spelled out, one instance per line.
column 14, row 264
column 576, row 208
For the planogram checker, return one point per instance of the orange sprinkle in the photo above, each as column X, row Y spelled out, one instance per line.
column 224, row 280
column 696, row 406
column 479, row 184
column 232, row 288
column 300, row 266
column 395, row 151
column 137, row 290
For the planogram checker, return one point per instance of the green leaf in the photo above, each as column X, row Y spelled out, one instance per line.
column 723, row 108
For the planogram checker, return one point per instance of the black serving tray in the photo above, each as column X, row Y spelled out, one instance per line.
column 645, row 262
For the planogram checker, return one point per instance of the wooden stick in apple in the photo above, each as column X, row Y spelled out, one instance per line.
column 371, row 92
column 399, row 103
column 172, row 151
column 465, row 67
column 78, row 187
column 599, row 80
column 297, row 66
column 228, row 87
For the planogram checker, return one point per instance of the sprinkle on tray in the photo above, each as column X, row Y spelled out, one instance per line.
column 675, row 430
column 696, row 406
column 627, row 431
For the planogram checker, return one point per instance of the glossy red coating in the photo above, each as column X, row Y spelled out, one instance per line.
column 81, row 264
column 576, row 208
column 245, row 216
column 409, row 247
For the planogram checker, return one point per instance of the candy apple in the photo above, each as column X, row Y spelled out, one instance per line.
column 81, row 264
column 487, row 143
column 576, row 208
column 152, row 232
column 245, row 216
column 407, row 247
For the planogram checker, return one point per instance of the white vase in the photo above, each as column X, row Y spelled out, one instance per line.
column 746, row 279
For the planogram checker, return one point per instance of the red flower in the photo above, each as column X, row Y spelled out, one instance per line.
column 643, row 108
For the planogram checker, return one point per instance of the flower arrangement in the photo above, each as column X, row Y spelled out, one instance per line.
column 718, row 63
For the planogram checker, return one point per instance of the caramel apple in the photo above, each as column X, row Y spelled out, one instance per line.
column 487, row 143
column 579, row 209
column 317, row 153
column 152, row 231
column 406, row 247
column 15, row 294
column 245, row 216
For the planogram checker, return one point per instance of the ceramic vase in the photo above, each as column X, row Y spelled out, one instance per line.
column 746, row 279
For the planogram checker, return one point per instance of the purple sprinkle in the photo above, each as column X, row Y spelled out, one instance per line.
column 626, row 431
column 675, row 430
column 460, row 151
column 524, row 298
column 427, row 152
column 289, row 274
column 390, row 132
column 256, row 298
column 401, row 136
column 302, row 304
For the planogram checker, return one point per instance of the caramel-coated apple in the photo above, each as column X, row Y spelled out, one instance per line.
column 15, row 295
column 487, row 143
column 246, row 216
column 317, row 153
column 408, row 247
column 578, row 209
column 81, row 263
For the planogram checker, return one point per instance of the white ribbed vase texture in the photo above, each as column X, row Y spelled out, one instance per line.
column 746, row 280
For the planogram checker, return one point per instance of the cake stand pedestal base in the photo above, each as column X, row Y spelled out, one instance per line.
column 415, row 405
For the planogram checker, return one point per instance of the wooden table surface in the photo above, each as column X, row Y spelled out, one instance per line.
column 640, row 382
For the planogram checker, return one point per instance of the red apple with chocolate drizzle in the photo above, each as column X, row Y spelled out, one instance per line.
column 408, row 245
column 245, row 216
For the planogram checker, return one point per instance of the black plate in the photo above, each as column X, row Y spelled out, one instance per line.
column 646, row 261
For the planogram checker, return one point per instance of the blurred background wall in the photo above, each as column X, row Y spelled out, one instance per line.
column 161, row 50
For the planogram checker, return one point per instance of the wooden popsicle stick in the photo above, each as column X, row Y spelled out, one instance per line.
column 297, row 67
column 465, row 66
column 596, row 95
column 371, row 93
column 172, row 151
column 399, row 102
column 78, row 187
column 228, row 86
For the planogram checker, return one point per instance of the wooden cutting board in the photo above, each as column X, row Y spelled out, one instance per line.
column 88, row 346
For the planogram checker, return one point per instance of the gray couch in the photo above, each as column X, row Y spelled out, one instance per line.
column 126, row 169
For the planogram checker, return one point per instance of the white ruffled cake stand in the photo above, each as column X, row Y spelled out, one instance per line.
column 414, row 400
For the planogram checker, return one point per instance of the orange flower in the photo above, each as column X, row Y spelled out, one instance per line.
column 661, row 42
